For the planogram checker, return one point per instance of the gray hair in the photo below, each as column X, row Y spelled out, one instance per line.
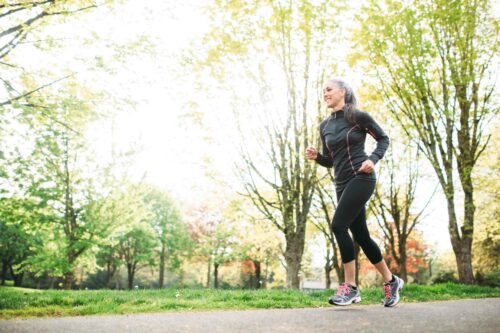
column 349, row 98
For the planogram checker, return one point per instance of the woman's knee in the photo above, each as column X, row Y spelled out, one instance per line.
column 363, row 241
column 338, row 228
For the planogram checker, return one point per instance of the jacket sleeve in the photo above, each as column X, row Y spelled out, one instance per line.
column 324, row 159
column 370, row 126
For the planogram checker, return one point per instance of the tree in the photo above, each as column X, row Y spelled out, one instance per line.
column 136, row 249
column 486, row 244
column 322, row 220
column 392, row 207
column 434, row 64
column 58, row 148
column 60, row 174
column 215, row 240
column 416, row 261
column 259, row 243
column 108, row 257
column 121, row 210
column 22, row 18
column 17, row 239
column 171, row 233
column 276, row 44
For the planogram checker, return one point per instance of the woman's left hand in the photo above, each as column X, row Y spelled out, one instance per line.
column 367, row 166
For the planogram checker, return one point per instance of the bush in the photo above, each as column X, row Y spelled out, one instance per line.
column 491, row 279
column 444, row 277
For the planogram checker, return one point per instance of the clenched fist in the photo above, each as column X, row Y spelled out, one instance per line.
column 367, row 166
column 311, row 153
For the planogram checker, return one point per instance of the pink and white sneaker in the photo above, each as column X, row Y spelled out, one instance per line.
column 391, row 290
column 346, row 295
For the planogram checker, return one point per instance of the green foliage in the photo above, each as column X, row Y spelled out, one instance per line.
column 444, row 277
column 55, row 171
column 58, row 180
column 491, row 279
column 17, row 238
column 172, row 235
column 486, row 246
column 136, row 245
column 261, row 31
column 22, row 20
column 434, row 65
column 73, row 204
column 267, row 55
column 216, row 242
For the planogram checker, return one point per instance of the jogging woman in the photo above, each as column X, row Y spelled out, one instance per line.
column 343, row 136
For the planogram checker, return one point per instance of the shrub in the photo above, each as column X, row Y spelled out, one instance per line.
column 491, row 279
column 443, row 277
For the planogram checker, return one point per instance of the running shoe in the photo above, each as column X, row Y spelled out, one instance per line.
column 346, row 295
column 391, row 290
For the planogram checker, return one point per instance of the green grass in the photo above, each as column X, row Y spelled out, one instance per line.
column 23, row 303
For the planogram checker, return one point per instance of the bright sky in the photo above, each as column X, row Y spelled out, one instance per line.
column 173, row 150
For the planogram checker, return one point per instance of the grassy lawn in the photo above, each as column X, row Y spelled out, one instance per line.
column 22, row 303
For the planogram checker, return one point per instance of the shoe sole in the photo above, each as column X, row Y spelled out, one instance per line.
column 354, row 300
column 397, row 299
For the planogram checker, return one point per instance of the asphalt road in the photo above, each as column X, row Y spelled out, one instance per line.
column 480, row 315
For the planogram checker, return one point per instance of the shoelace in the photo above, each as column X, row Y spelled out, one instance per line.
column 343, row 290
column 387, row 290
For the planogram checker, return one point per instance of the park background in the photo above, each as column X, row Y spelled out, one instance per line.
column 157, row 144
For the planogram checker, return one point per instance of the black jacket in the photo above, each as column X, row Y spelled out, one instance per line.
column 344, row 145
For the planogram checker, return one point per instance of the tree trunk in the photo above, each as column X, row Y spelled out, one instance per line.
column 266, row 273
column 461, row 247
column 430, row 267
column 216, row 275
column 5, row 267
column 338, row 266
column 69, row 278
column 130, row 275
column 162, row 265
column 402, row 267
column 110, row 273
column 181, row 278
column 257, row 274
column 464, row 262
column 356, row 258
column 292, row 274
column 18, row 278
column 341, row 272
column 402, row 260
column 329, row 264
column 293, row 257
column 209, row 271
column 328, row 279
column 51, row 282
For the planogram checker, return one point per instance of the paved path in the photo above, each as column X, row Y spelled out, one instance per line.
column 481, row 315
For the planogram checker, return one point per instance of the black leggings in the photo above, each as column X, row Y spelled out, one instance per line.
column 351, row 213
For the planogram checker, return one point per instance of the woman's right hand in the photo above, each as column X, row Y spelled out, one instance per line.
column 311, row 153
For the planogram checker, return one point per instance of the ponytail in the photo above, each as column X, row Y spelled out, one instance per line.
column 349, row 99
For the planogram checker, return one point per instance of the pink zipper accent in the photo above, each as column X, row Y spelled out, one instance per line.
column 371, row 133
column 348, row 150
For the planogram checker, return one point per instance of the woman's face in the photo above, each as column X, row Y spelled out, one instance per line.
column 333, row 95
